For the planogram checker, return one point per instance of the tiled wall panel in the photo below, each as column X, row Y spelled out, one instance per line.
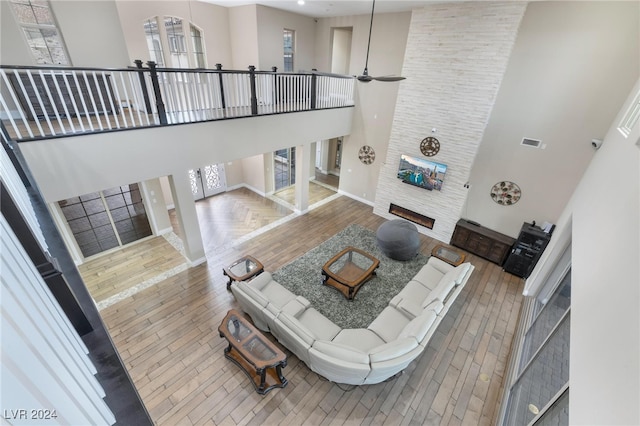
column 454, row 63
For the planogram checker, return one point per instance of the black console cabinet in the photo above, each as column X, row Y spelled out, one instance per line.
column 526, row 251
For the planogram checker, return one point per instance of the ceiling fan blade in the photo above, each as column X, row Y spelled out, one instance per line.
column 389, row 78
column 365, row 77
column 330, row 74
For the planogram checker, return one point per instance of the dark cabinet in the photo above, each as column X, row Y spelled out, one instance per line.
column 526, row 251
column 482, row 241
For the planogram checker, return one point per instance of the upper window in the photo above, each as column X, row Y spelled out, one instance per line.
column 43, row 37
column 171, row 37
column 289, row 49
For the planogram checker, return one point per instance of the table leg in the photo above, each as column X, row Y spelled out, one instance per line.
column 262, row 372
column 279, row 373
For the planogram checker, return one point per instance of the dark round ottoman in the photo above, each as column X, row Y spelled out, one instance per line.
column 398, row 239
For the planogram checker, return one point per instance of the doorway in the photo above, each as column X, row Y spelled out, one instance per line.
column 207, row 181
column 284, row 168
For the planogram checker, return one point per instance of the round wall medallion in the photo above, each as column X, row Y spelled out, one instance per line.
column 505, row 193
column 430, row 146
column 366, row 154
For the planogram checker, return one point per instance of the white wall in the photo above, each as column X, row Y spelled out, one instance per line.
column 110, row 159
column 375, row 101
column 454, row 63
column 211, row 19
column 605, row 291
column 572, row 65
column 243, row 28
column 271, row 23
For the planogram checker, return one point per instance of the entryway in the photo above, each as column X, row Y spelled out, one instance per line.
column 207, row 181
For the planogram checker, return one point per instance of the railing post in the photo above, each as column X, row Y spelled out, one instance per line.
column 162, row 113
column 314, row 84
column 224, row 103
column 143, row 86
column 252, row 82
column 276, row 91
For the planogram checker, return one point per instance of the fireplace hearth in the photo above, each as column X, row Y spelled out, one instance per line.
column 412, row 216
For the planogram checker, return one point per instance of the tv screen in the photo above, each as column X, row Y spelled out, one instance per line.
column 421, row 172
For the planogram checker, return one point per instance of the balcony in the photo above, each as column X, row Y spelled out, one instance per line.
column 42, row 103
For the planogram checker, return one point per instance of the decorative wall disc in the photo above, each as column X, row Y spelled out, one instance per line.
column 505, row 193
column 366, row 154
column 430, row 146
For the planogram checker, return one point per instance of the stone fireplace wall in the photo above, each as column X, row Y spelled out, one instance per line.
column 455, row 59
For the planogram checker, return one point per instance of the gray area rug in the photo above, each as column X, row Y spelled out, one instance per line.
column 303, row 276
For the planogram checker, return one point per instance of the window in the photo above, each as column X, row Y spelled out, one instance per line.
column 289, row 49
column 539, row 381
column 198, row 50
column 104, row 220
column 170, row 37
column 37, row 21
column 153, row 41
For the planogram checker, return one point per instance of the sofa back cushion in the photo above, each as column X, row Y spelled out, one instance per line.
column 394, row 349
column 341, row 352
column 296, row 327
column 419, row 326
column 441, row 291
column 252, row 293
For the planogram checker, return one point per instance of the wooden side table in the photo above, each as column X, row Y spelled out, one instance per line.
column 449, row 255
column 260, row 359
column 348, row 270
column 243, row 269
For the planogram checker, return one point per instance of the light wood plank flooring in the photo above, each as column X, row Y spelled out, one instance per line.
column 108, row 274
column 317, row 193
column 167, row 337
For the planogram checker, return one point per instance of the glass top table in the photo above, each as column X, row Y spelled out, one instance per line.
column 260, row 359
column 449, row 255
column 243, row 269
column 348, row 270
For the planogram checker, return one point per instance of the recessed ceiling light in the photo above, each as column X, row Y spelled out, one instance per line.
column 301, row 2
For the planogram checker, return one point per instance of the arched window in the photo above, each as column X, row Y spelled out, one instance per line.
column 39, row 26
column 170, row 37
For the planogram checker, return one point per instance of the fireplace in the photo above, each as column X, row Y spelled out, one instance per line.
column 412, row 216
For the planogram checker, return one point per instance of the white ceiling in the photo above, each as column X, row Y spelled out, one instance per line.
column 324, row 8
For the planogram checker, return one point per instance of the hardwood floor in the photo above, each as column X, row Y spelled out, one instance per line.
column 167, row 337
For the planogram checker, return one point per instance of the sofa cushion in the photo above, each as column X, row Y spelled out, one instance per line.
column 434, row 305
column 296, row 306
column 419, row 326
column 428, row 276
column 253, row 293
column 359, row 338
column 259, row 281
column 394, row 349
column 458, row 273
column 277, row 294
column 341, row 352
column 389, row 323
column 296, row 327
column 440, row 292
column 321, row 326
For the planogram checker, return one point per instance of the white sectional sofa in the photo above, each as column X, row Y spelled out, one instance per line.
column 364, row 355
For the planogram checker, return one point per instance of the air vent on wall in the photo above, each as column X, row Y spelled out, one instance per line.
column 533, row 143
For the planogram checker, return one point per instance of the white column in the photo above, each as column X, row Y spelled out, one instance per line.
column 187, row 218
column 303, row 166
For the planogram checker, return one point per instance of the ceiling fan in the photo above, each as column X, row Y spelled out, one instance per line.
column 365, row 77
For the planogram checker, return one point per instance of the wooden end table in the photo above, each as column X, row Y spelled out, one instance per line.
column 449, row 255
column 243, row 269
column 260, row 359
column 348, row 270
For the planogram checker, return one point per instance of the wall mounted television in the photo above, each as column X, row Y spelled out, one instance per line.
column 421, row 172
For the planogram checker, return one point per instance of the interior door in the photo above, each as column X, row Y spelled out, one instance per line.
column 207, row 181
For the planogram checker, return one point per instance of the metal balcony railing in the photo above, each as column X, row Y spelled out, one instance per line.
column 39, row 102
